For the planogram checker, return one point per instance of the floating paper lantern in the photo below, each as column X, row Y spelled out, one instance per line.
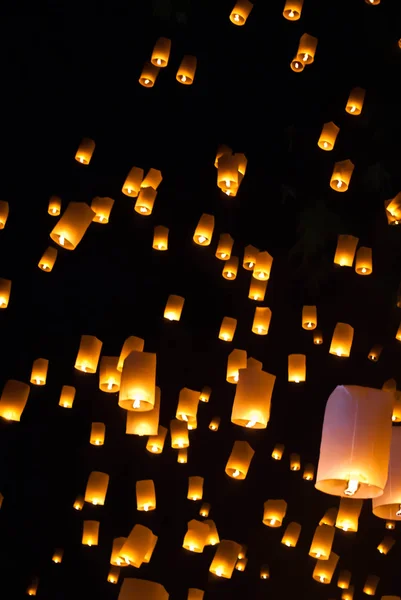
column 322, row 542
column 397, row 335
column 251, row 406
column 186, row 70
column 54, row 207
column 33, row 587
column 328, row 136
column 102, row 209
column 388, row 506
column 195, row 594
column 179, row 434
column 291, row 535
column 261, row 320
column 264, row 572
column 13, row 399
column 90, row 533
column 341, row 341
column 239, row 460
column 224, row 246
column 96, row 488
column 341, row 176
column 227, row 329
column 131, row 344
column 230, row 268
column 274, row 512
column 139, row 589
column 72, row 225
column 204, row 396
column 324, row 569
column 85, row 151
column 145, row 201
column 4, row 210
column 48, row 259
column 109, row 375
column 204, row 509
column 386, row 544
column 297, row 65
column 236, row 361
column 145, row 495
column 161, row 52
column 371, row 584
column 252, row 363
column 138, row 382
column 295, row 462
column 148, row 75
column 155, row 442
column 309, row 317
column 88, row 354
column 213, row 537
column 242, row 552
column 79, row 503
column 152, row 180
column 396, row 416
column 132, row 184
column 182, row 456
column 296, row 368
column 98, row 432
column 393, row 210
column 58, row 555
column 344, row 578
column 374, row 353
column 174, row 307
column 160, row 238
column 278, row 451
column 195, row 487
column 292, row 9
column 67, row 396
column 309, row 472
column 214, row 424
column 363, row 263
column 221, row 151
column 307, row 49
column 263, row 266
column 5, row 291
column 257, row 289
column 250, row 255
column 230, row 172
column 240, row 12
column 187, row 405
column 224, row 560
column 204, row 230
column 329, row 517
column 113, row 575
column 196, row 537
column 348, row 514
column 115, row 558
column 348, row 594
column 145, row 422
column 355, row 101
column 39, row 371
column 140, row 541
column 390, row 524
column 345, row 251
column 241, row 564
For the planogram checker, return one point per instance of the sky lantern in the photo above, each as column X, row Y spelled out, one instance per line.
column 144, row 422
column 109, row 375
column 187, row 408
column 322, row 542
column 160, row 238
column 161, row 52
column 5, row 292
column 182, row 456
column 231, row 169
column 224, row 246
column 97, row 435
column 355, row 101
column 88, row 354
column 39, row 371
column 261, row 320
column 293, row 9
column 179, row 434
column 54, row 207
column 328, row 136
column 225, row 559
column 195, row 487
column 264, row 572
column 96, row 488
column 148, row 75
column 79, row 502
column 388, row 505
column 32, row 588
column 195, row 594
column 214, row 424
column 295, row 461
column 113, row 575
column 291, row 535
column 239, row 460
column 145, row 495
column 85, row 151
column 341, row 177
column 371, row 584
column 341, row 341
column 132, row 343
column 317, row 337
column 241, row 12
column 345, row 251
column 241, row 563
column 204, row 509
column 227, row 329
column 278, row 451
column 374, row 353
column 309, row 317
column 196, row 537
column 140, row 541
column 363, row 263
column 139, row 589
column 58, row 556
column 155, row 442
column 344, row 578
column 4, row 210
column 102, row 209
column 257, row 289
column 213, row 537
column 132, row 184
column 348, row 514
column 138, row 382
column 297, row 368
column 90, row 533
column 174, row 307
column 263, row 266
column 307, row 49
column 13, row 399
column 204, row 396
column 72, row 225
column 250, row 255
column 297, row 65
column 145, row 201
column 309, row 472
column 230, row 268
column 236, row 361
column 324, row 569
column 329, row 517
column 393, row 210
column 48, row 259
column 386, row 544
column 152, row 180
column 186, row 70
column 348, row 594
column 115, row 558
column 204, row 230
column 251, row 406
column 274, row 512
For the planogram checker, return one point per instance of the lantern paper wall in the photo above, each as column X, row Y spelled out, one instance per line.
column 214, row 423
column 54, row 207
column 324, row 569
column 341, row 176
column 204, row 396
column 72, row 225
column 295, row 462
column 348, row 514
column 13, row 399
column 160, row 238
column 204, row 230
column 224, row 560
column 292, row 9
column 48, row 259
column 132, row 184
column 96, row 488
column 371, row 584
column 98, row 432
column 102, row 209
column 109, row 375
column 240, row 12
column 363, row 264
column 274, row 512
column 137, row 545
column 186, row 70
column 278, row 451
column 296, row 368
column 322, row 542
column 230, row 268
column 138, row 382
column 263, row 266
column 174, row 307
column 251, row 407
column 309, row 472
column 236, row 361
column 341, row 341
column 195, row 594
column 115, row 558
column 145, row 495
column 139, row 589
column 85, row 151
column 257, row 289
column 179, row 434
column 261, row 320
column 224, row 247
column 213, row 537
column 161, row 52
column 204, row 509
column 5, row 291
column 239, row 460
column 227, row 329
column 146, row 423
column 344, row 578
column 345, row 251
column 355, row 101
column 131, row 344
column 250, row 255
column 39, row 371
column 291, row 535
column 386, row 544
column 187, row 405
column 58, row 555
column 114, row 574
column 145, row 201
column 4, row 210
column 328, row 136
column 329, row 517
column 195, row 487
column 307, row 49
column 155, row 442
column 196, row 537
column 388, row 505
column 148, row 75
column 88, row 354
column 90, row 533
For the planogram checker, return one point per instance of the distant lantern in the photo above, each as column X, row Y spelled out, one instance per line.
column 195, row 487
column 174, row 307
column 132, row 184
column 224, row 560
column 214, row 424
column 13, row 399
column 296, row 368
column 396, row 417
column 204, row 509
column 236, row 361
column 204, row 396
column 138, row 382
column 348, row 594
column 355, row 101
column 204, row 230
column 257, row 289
column 243, row 551
column 187, row 405
column 109, row 375
column 224, row 246
column 309, row 472
column 355, row 445
column 4, row 210
column 90, row 533
column 292, row 10
column 230, row 268
column 79, row 503
column 140, row 541
column 239, row 460
column 182, row 456
column 307, row 49
column 386, row 544
column 148, row 75
column 155, row 443
column 317, row 337
column 329, row 517
column 363, row 263
column 195, row 594
column 102, row 208
column 72, row 225
column 371, row 584
column 309, row 317
column 144, row 422
column 297, row 65
column 264, row 572
column 32, row 588
column 393, row 210
column 390, row 524
column 324, row 569
column 291, row 535
column 39, row 371
column 295, row 462
column 261, row 320
column 328, row 136
column 54, row 207
column 263, row 266
column 98, row 432
column 138, row 589
column 388, row 506
column 250, row 254
column 374, row 353
column 161, row 52
column 251, row 406
column 322, row 542
column 213, row 537
column 227, row 329
column 145, row 495
column 241, row 12
column 145, row 201
column 5, row 291
column 85, row 151
column 115, row 559
column 345, row 251
column 131, row 344
column 48, row 259
column 88, row 354
column 348, row 514
column 114, row 574
column 196, row 537
column 341, row 176
column 96, row 488
column 274, row 512
column 160, row 238
column 179, row 434
column 58, row 555
column 241, row 564
column 344, row 578
column 341, row 341
column 397, row 335
column 278, row 451
column 186, row 70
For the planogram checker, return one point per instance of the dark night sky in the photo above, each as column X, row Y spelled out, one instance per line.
column 73, row 72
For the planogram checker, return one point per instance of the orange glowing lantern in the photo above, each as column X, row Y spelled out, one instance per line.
column 145, row 201
column 324, row 569
column 251, row 406
column 341, row 176
column 179, row 434
column 225, row 559
column 309, row 317
column 291, row 535
column 88, row 354
column 4, row 210
column 274, row 512
column 341, row 341
column 187, row 406
column 263, row 266
column 67, row 396
column 230, row 268
column 138, row 382
column 131, row 344
column 85, row 151
column 328, row 136
column 322, row 542
column 161, row 52
column 225, row 246
column 345, row 251
column 48, row 259
column 214, row 424
column 241, row 12
column 292, row 10
column 204, row 230
column 236, row 361
column 148, row 75
column 54, row 207
column 296, row 368
column 155, row 443
column 257, row 289
column 39, row 371
column 72, row 225
column 278, row 451
column 196, row 537
column 195, row 487
column 261, row 320
column 227, row 329
column 145, row 495
column 96, row 488
column 90, row 533
column 132, row 184
column 109, row 375
column 295, row 462
column 102, row 209
column 186, row 70
column 160, row 238
column 250, row 255
column 98, row 432
column 307, row 49
column 5, row 292
column 363, row 263
column 204, row 396
column 13, row 399
column 239, row 460
column 355, row 101
column 174, row 307
column 348, row 514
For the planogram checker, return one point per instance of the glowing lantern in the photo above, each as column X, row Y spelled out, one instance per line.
column 230, row 268
column 292, row 9
column 155, row 443
column 348, row 594
column 102, row 209
column 236, row 361
column 393, row 210
column 341, row 176
column 214, row 423
column 374, row 354
column 388, row 506
column 13, row 399
column 4, row 210
column 174, row 307
column 39, row 371
column 5, row 291
column 213, row 537
column 152, row 179
column 115, row 559
column 88, row 354
column 261, row 320
column 160, row 238
column 58, row 555
column 138, row 382
column 240, row 12
column 146, row 423
column 241, row 564
column 278, row 451
column 297, row 65
column 145, row 201
column 33, row 587
column 224, row 246
column 98, row 432
column 309, row 317
column 204, row 510
column 373, row 3
column 250, row 255
column 324, row 569
column 341, row 341
column 227, row 329
column 397, row 335
column 224, row 560
column 109, row 375
column 291, row 535
column 396, row 417
column 363, row 263
column 243, row 551
column 48, row 259
column 132, row 184
column 113, row 575
column 148, row 75
column 145, row 495
column 309, row 472
column 204, row 230
column 85, row 151
column 296, row 368
column 264, row 572
column 355, row 101
column 252, row 363
column 328, row 136
column 54, row 207
column 179, row 434
column 295, row 462
column 205, row 393
column 257, row 289
column 182, row 456
column 195, row 488
column 96, row 488
column 263, row 266
column 307, row 49
column 329, row 517
column 79, row 503
column 390, row 525
column 187, row 405
column 317, row 338
column 196, row 537
column 345, row 251
column 131, row 344
column 386, row 544
column 348, row 514
column 186, row 70
column 195, row 594
column 90, row 533
column 161, row 52
column 274, row 512
column 239, row 460
column 138, row 544
column 251, row 407
column 71, row 227
column 371, row 584
column 344, row 578
column 322, row 542
column 139, row 589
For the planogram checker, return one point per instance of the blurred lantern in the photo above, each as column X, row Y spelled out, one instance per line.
column 388, row 505
column 102, row 209
column 309, row 472
column 396, row 416
column 132, row 184
column 204, row 509
column 72, row 225
column 213, row 537
column 33, row 587
column 161, row 52
column 196, row 537
column 140, row 541
column 148, row 75
column 390, row 524
column 214, row 424
column 4, row 210
column 174, row 307
column 230, row 268
column 85, row 151
column 371, row 584
column 90, row 533
column 348, row 514
column 236, row 361
column 160, row 238
column 344, row 578
column 263, row 266
column 241, row 563
column 291, row 535
column 393, row 210
column 257, row 289
column 39, row 371
column 239, row 460
column 397, row 335
column 155, row 442
column 204, row 230
column 179, row 434
column 224, row 560
column 341, row 341
column 261, row 320
column 145, row 495
column 187, row 405
column 317, row 337
column 296, row 368
column 79, row 503
column 324, row 569
column 145, row 201
column 363, row 263
column 13, row 399
column 98, row 432
column 278, row 450
column 186, row 70
column 328, row 136
column 374, row 353
column 88, row 354
column 274, row 512
column 386, row 544
column 345, row 251
column 224, row 247
column 295, row 462
column 195, row 594
column 195, row 487
column 96, row 488
column 58, row 555
column 329, row 517
column 139, row 589
column 227, row 329
column 264, row 572
column 355, row 101
column 109, row 375
column 182, row 456
column 5, row 291
column 243, row 551
column 115, row 558
column 54, row 207
column 251, row 406
column 138, row 382
column 1, row 500
column 348, row 594
column 48, row 259
column 145, row 422
column 250, row 255
column 309, row 317
column 307, row 49
column 341, row 176
column 292, row 9
column 113, row 575
column 373, row 3
column 240, row 12
column 205, row 393
column 322, row 542
column 131, row 344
